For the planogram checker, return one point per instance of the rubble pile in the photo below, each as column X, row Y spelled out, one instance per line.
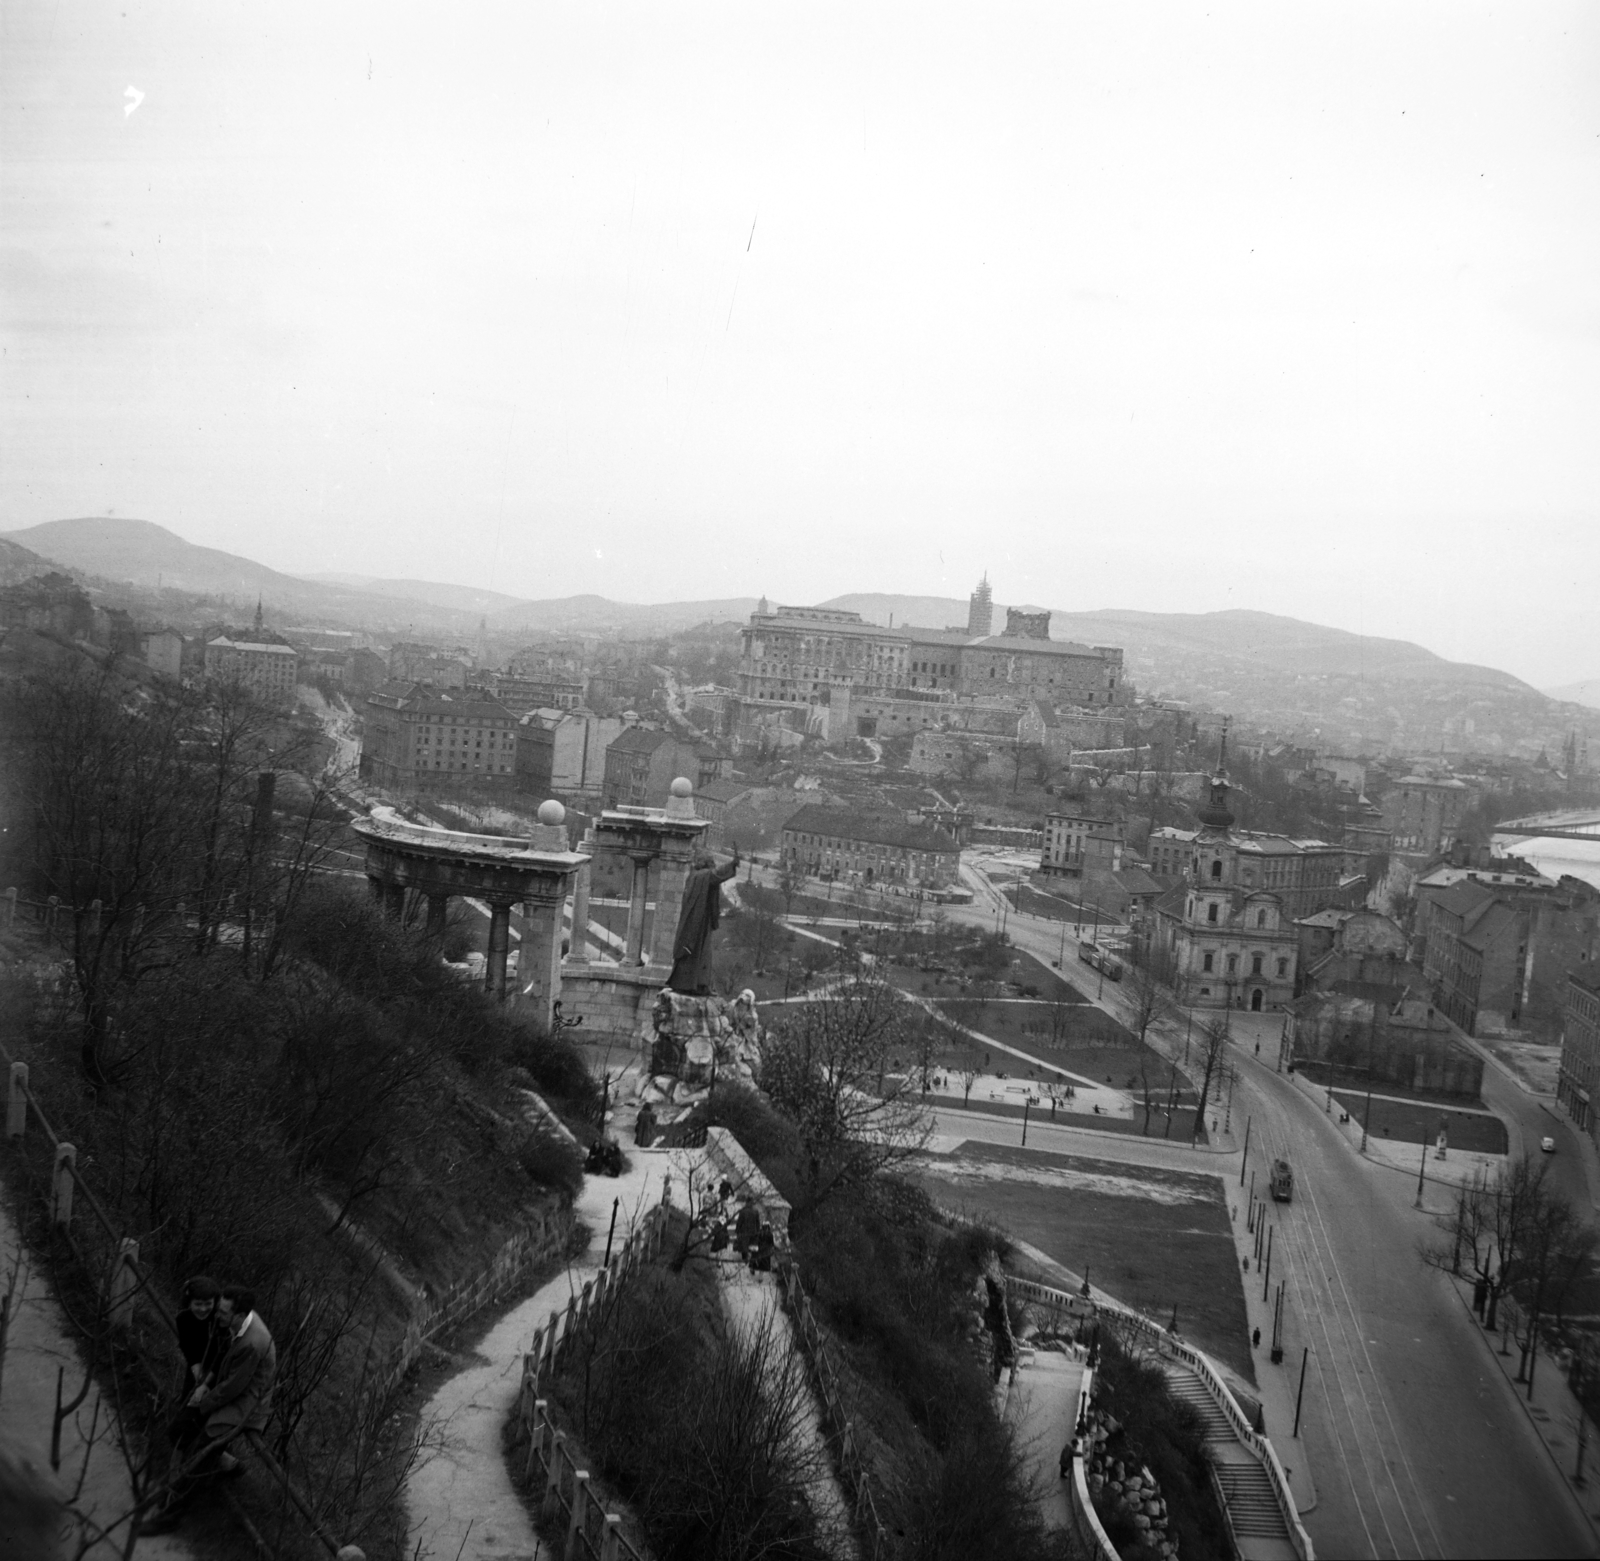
column 1122, row 1489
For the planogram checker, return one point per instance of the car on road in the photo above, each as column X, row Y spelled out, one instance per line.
column 1547, row 1144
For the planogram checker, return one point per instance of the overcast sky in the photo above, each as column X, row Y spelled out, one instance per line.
column 1285, row 307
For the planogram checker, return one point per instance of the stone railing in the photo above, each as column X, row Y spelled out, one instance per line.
column 728, row 1159
column 1092, row 1539
column 1149, row 1332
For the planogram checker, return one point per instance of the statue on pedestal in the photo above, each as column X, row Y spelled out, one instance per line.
column 702, row 910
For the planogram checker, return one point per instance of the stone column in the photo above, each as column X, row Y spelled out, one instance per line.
column 375, row 889
column 671, row 877
column 634, row 954
column 539, row 965
column 394, row 900
column 580, row 914
column 438, row 906
column 494, row 972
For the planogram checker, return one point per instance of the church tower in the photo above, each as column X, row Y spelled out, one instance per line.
column 980, row 610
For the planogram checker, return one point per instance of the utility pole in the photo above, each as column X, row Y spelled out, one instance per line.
column 1299, row 1397
column 1366, row 1116
column 1249, row 1122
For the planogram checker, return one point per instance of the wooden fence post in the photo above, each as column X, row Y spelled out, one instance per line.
column 580, row 1511
column 17, row 1101
column 61, row 1185
column 552, row 1483
column 532, row 1362
column 611, row 1538
column 124, row 1281
column 541, row 1416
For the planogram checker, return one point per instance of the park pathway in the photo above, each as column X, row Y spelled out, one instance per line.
column 461, row 1502
column 37, row 1345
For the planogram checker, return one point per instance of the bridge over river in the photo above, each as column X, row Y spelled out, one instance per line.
column 1574, row 824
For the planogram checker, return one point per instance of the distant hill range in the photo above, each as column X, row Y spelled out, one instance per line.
column 1584, row 693
column 1319, row 685
column 18, row 563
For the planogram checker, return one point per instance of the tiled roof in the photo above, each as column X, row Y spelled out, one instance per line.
column 636, row 739
column 867, row 828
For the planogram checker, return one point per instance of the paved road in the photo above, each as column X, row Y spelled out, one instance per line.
column 1414, row 1441
column 1416, row 1447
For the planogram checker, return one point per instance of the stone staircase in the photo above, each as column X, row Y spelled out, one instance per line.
column 1243, row 1483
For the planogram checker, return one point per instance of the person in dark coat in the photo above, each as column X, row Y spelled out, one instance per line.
column 644, row 1127
column 200, row 1339
column 238, row 1399
column 746, row 1229
column 702, row 910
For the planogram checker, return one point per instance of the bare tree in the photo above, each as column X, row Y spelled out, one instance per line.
column 823, row 1066
column 969, row 1071
column 1213, row 1049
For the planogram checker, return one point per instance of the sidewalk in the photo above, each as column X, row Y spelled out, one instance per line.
column 36, row 1346
column 1276, row 1386
column 1042, row 1407
column 461, row 1504
column 1552, row 1411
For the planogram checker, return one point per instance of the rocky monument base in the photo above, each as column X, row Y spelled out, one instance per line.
column 697, row 1041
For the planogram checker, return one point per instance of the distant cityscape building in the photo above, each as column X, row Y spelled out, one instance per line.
column 268, row 671
column 1074, row 844
column 1580, row 1049
column 1421, row 812
column 422, row 738
column 1497, row 956
column 842, row 843
column 162, row 651
column 563, row 752
column 829, row 659
column 1222, row 936
column 521, row 693
column 642, row 763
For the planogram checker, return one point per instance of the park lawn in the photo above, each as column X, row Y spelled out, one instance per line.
column 1153, row 1238
column 1355, row 1079
column 1055, row 908
column 1408, row 1122
column 1024, row 971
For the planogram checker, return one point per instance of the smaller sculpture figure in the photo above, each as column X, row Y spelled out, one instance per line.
column 702, row 910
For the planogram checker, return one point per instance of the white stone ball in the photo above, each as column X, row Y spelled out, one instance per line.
column 552, row 812
column 682, row 787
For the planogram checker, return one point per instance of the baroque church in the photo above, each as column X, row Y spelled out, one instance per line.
column 1227, row 939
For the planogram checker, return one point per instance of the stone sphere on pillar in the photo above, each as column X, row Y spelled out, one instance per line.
column 682, row 787
column 552, row 812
